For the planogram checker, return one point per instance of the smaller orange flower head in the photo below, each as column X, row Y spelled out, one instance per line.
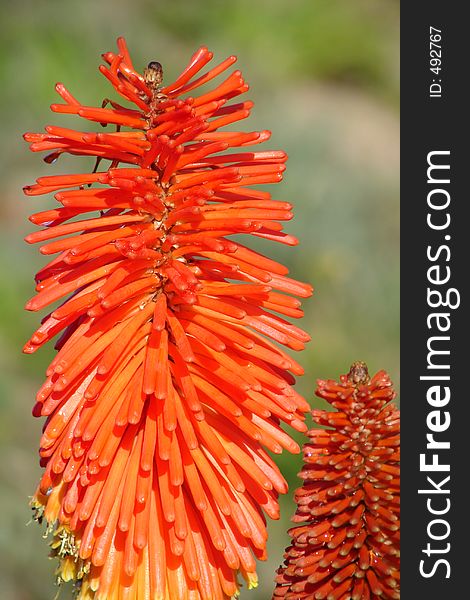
column 348, row 544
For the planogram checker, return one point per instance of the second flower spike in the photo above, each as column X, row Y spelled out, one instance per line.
column 346, row 543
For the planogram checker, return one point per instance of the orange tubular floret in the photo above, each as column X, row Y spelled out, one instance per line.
column 169, row 380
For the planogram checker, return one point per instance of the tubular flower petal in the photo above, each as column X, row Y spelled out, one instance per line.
column 347, row 542
column 168, row 384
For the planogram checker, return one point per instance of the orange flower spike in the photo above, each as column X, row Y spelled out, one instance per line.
column 168, row 381
column 348, row 544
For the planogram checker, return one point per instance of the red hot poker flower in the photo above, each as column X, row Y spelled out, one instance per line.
column 168, row 380
column 347, row 546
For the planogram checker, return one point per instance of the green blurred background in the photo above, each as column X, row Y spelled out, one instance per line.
column 324, row 77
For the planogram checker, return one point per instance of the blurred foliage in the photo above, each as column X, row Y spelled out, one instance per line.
column 324, row 77
column 340, row 41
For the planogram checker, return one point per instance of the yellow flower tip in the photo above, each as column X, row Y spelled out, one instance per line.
column 38, row 500
column 53, row 502
column 64, row 543
column 86, row 593
column 65, row 546
column 252, row 579
column 67, row 569
column 94, row 583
